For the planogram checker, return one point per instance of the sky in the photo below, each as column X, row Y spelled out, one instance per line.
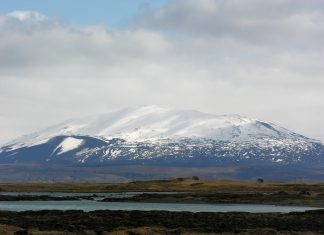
column 65, row 59
column 84, row 12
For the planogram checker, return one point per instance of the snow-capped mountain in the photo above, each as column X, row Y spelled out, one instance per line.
column 155, row 135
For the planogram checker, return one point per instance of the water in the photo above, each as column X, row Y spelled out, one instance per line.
column 96, row 204
column 89, row 205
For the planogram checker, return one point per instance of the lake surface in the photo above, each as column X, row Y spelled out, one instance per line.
column 96, row 204
column 89, row 205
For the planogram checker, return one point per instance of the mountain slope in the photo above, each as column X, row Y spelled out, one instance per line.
column 154, row 135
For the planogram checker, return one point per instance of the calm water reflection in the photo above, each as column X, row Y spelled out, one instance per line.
column 88, row 205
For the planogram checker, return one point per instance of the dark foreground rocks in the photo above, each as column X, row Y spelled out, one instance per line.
column 43, row 198
column 276, row 198
column 133, row 222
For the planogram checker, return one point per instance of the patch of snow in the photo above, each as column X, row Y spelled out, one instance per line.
column 68, row 144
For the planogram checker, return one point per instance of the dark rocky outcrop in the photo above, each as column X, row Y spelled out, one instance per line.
column 99, row 221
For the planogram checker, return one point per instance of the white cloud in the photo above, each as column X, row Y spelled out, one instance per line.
column 261, row 59
column 27, row 16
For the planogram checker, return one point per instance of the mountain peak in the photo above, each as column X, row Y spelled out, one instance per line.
column 154, row 134
column 151, row 122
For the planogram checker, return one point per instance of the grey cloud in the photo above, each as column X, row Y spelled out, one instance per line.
column 31, row 40
column 261, row 59
column 251, row 20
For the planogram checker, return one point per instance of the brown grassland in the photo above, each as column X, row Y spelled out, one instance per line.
column 173, row 185
column 196, row 191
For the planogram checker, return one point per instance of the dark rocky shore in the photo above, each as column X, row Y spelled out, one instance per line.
column 43, row 198
column 133, row 222
column 302, row 198
column 277, row 198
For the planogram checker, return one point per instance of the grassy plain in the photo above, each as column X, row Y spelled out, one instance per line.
column 173, row 185
column 195, row 191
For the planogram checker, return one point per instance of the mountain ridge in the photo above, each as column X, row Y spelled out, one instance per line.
column 153, row 122
column 154, row 135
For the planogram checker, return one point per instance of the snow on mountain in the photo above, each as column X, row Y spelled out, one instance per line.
column 151, row 133
column 68, row 144
column 150, row 123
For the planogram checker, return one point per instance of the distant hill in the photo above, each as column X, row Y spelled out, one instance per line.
column 154, row 136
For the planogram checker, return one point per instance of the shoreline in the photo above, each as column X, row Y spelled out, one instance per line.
column 75, row 222
column 209, row 199
column 180, row 190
